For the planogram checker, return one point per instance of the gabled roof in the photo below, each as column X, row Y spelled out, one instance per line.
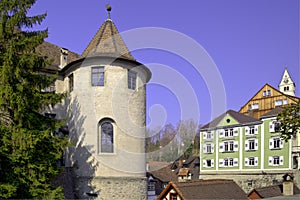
column 108, row 42
column 239, row 117
column 267, row 85
column 272, row 191
column 205, row 189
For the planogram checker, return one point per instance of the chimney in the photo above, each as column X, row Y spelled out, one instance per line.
column 288, row 185
column 63, row 57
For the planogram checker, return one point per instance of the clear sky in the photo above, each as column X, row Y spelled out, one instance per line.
column 249, row 41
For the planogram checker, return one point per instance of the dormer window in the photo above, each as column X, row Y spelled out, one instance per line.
column 97, row 76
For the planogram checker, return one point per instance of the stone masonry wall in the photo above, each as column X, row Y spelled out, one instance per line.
column 249, row 181
column 110, row 188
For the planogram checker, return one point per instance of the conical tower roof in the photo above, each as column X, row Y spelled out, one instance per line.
column 108, row 42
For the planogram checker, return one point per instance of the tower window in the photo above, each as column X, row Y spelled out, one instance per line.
column 106, row 137
column 71, row 82
column 131, row 80
column 97, row 76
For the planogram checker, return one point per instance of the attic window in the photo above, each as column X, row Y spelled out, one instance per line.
column 227, row 120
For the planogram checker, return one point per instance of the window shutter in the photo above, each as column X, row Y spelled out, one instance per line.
column 221, row 147
column 212, row 163
column 204, row 163
column 246, row 162
column 281, row 143
column 221, row 162
column 235, row 132
column 246, row 145
column 271, row 126
column 256, row 130
column 204, row 148
column 280, row 160
column 236, row 146
column 256, row 144
column 256, row 161
column 235, row 162
column 247, row 131
column 271, row 143
column 221, row 133
column 204, row 135
column 212, row 135
column 212, row 148
column 270, row 161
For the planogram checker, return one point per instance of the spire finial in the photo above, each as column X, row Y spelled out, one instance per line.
column 108, row 8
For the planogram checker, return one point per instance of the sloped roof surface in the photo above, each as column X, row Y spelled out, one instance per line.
column 241, row 118
column 52, row 52
column 108, row 42
column 183, row 171
column 272, row 113
column 207, row 189
column 165, row 174
column 273, row 191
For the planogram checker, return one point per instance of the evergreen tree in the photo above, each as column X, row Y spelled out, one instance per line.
column 29, row 144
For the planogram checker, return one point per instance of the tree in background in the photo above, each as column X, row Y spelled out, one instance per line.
column 29, row 144
column 169, row 143
column 289, row 121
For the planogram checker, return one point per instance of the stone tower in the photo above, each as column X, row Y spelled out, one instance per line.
column 287, row 86
column 106, row 110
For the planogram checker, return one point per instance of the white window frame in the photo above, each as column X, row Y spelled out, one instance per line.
column 209, row 135
column 251, row 130
column 276, row 160
column 228, row 146
column 208, row 161
column 248, row 144
column 251, row 161
column 255, row 106
column 276, row 143
column 208, row 148
column 278, row 102
column 228, row 162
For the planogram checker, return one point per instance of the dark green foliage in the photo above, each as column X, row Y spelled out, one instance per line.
column 29, row 145
column 289, row 121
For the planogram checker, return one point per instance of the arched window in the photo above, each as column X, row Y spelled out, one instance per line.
column 106, row 131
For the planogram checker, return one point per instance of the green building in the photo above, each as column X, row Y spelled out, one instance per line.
column 243, row 148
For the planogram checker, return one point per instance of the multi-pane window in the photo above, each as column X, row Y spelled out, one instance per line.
column 151, row 186
column 251, row 144
column 251, row 161
column 106, row 137
column 275, row 143
column 276, row 160
column 131, row 80
column 208, row 148
column 97, row 76
column 251, row 130
column 209, row 135
column 278, row 102
column 228, row 162
column 228, row 146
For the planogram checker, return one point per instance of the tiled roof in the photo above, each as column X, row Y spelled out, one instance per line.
column 52, row 52
column 272, row 191
column 272, row 113
column 108, row 42
column 165, row 174
column 155, row 165
column 207, row 189
column 241, row 118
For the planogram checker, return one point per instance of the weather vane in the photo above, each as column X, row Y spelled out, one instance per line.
column 108, row 8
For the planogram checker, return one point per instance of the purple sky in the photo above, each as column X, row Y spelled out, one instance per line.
column 250, row 41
